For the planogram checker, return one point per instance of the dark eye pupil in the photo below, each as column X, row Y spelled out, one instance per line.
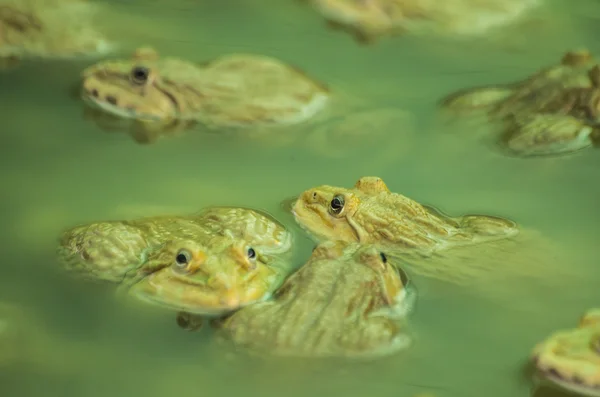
column 337, row 203
column 251, row 253
column 181, row 259
column 383, row 257
column 140, row 73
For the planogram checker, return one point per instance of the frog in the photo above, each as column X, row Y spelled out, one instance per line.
column 570, row 358
column 347, row 300
column 273, row 103
column 553, row 112
column 233, row 91
column 208, row 277
column 484, row 253
column 370, row 213
column 369, row 20
column 108, row 250
column 209, row 263
column 52, row 29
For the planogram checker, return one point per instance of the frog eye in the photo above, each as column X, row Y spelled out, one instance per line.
column 139, row 75
column 251, row 254
column 183, row 258
column 383, row 257
column 337, row 204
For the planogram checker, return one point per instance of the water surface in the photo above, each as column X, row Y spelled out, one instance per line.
column 60, row 169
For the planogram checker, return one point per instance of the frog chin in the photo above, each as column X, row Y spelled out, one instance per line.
column 573, row 384
column 204, row 310
column 121, row 112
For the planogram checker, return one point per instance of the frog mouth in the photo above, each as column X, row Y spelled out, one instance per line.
column 118, row 111
column 569, row 382
column 174, row 294
column 107, row 101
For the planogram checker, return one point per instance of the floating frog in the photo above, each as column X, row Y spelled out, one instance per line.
column 270, row 101
column 571, row 358
column 346, row 301
column 213, row 278
column 475, row 250
column 208, row 263
column 232, row 91
column 371, row 213
column 555, row 111
column 368, row 20
column 49, row 29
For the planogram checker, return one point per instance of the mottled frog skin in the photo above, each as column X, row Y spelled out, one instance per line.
column 50, row 29
column 368, row 20
column 220, row 275
column 491, row 255
column 346, row 301
column 370, row 213
column 555, row 111
column 233, row 91
column 571, row 358
column 207, row 263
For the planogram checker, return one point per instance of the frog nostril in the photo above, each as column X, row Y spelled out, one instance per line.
column 111, row 99
column 94, row 93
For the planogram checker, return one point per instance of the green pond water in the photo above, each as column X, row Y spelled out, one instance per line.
column 60, row 169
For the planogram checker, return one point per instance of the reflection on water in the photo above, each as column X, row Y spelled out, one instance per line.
column 60, row 168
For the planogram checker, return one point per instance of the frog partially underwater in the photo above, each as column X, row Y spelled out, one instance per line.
column 487, row 253
column 157, row 93
column 554, row 111
column 347, row 300
column 208, row 263
column 571, row 358
column 269, row 101
column 369, row 20
column 49, row 29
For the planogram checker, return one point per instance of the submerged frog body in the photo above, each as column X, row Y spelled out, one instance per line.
column 50, row 29
column 475, row 250
column 233, row 91
column 370, row 19
column 347, row 300
column 554, row 111
column 571, row 358
column 208, row 263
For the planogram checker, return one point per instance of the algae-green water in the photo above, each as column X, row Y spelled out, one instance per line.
column 61, row 168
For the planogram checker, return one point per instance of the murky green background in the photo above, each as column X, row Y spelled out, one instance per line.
column 60, row 169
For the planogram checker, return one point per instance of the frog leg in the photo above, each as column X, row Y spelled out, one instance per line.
column 546, row 134
column 595, row 136
column 474, row 99
column 377, row 335
column 189, row 321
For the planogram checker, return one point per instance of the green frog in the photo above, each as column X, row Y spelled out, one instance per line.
column 571, row 358
column 210, row 262
column 49, row 29
column 233, row 91
column 368, row 20
column 347, row 300
column 484, row 252
column 555, row 111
